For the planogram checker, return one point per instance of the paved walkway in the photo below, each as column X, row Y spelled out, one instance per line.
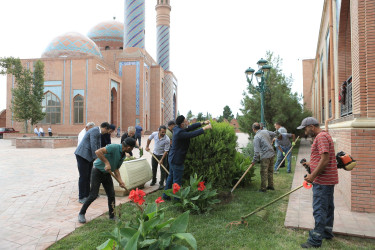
column 38, row 195
column 300, row 212
column 39, row 191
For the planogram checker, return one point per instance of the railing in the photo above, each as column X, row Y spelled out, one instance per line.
column 346, row 108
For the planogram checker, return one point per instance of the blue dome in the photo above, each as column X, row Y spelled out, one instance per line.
column 71, row 44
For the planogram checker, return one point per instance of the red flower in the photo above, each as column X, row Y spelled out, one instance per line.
column 176, row 187
column 159, row 200
column 137, row 196
column 201, row 186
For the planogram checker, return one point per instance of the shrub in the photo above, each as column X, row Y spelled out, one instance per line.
column 212, row 155
column 197, row 197
column 243, row 162
column 150, row 230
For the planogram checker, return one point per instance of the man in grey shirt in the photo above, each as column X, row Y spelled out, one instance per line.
column 161, row 149
column 284, row 145
column 264, row 152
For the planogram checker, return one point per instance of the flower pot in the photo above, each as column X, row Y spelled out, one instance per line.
column 134, row 173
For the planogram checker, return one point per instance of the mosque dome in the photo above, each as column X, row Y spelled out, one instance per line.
column 108, row 35
column 71, row 44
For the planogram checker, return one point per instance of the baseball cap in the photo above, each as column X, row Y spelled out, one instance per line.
column 307, row 122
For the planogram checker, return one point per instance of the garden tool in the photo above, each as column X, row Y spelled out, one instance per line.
column 286, row 155
column 228, row 196
column 114, row 176
column 243, row 222
column 165, row 169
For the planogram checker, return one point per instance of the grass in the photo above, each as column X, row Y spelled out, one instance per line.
column 265, row 229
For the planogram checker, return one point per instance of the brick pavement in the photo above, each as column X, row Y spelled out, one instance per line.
column 300, row 212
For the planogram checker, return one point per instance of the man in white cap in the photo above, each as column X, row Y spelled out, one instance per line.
column 324, row 178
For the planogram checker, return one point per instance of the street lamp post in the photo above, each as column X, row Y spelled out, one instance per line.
column 261, row 76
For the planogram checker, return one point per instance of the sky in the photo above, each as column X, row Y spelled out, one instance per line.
column 212, row 42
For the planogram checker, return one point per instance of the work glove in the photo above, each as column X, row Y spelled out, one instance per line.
column 293, row 144
column 283, row 153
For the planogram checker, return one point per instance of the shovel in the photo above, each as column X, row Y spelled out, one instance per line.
column 286, row 154
column 165, row 169
column 114, row 176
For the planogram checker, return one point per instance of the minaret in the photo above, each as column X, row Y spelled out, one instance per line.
column 134, row 24
column 163, row 10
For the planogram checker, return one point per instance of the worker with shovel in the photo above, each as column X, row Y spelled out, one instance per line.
column 284, row 145
column 110, row 159
column 263, row 150
column 324, row 177
column 161, row 149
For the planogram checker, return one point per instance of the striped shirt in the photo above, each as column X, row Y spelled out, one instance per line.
column 323, row 144
column 262, row 145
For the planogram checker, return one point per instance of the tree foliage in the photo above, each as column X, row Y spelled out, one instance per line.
column 280, row 104
column 27, row 94
column 189, row 115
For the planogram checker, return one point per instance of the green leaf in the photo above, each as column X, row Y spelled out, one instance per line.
column 188, row 237
column 127, row 232
column 178, row 247
column 150, row 209
column 185, row 192
column 132, row 243
column 180, row 224
column 146, row 243
column 164, row 224
column 108, row 245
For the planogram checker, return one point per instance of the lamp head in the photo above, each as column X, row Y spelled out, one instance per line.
column 249, row 71
column 262, row 62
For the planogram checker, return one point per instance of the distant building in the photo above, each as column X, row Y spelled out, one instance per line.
column 345, row 53
column 107, row 75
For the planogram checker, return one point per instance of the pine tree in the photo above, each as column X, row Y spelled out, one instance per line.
column 227, row 113
column 189, row 115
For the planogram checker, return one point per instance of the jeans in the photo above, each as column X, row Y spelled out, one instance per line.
column 163, row 174
column 324, row 208
column 175, row 176
column 280, row 158
column 97, row 178
column 84, row 169
column 138, row 137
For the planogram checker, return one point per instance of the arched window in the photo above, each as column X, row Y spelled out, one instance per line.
column 52, row 107
column 106, row 47
column 78, row 109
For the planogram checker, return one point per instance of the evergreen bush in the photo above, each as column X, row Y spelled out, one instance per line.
column 213, row 156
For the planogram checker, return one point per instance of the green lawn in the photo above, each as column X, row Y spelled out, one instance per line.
column 265, row 229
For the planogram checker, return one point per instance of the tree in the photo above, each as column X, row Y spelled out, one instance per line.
column 189, row 115
column 200, row 116
column 281, row 105
column 28, row 92
column 37, row 93
column 227, row 113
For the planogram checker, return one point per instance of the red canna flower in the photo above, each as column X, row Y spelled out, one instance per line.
column 201, row 186
column 159, row 200
column 176, row 187
column 137, row 196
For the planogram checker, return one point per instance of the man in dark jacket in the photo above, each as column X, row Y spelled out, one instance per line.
column 180, row 145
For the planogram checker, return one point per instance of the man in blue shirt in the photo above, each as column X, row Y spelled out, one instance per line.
column 110, row 159
column 138, row 134
column 180, row 145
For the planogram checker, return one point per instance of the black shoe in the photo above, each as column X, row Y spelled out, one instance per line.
column 114, row 218
column 262, row 190
column 81, row 218
column 82, row 200
column 308, row 245
column 152, row 184
column 270, row 188
column 161, row 187
column 288, row 172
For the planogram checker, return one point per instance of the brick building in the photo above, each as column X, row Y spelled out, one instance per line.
column 346, row 54
column 107, row 75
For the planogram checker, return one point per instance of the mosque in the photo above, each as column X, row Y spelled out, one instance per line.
column 107, row 75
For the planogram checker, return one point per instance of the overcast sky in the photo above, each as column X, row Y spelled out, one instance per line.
column 212, row 42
